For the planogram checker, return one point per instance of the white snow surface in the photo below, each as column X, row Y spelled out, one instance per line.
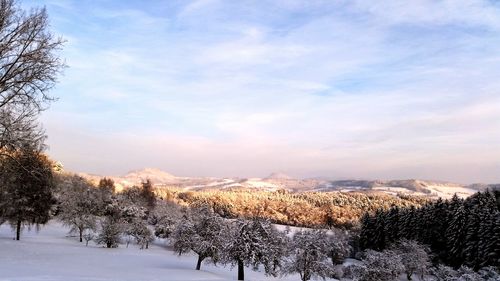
column 51, row 254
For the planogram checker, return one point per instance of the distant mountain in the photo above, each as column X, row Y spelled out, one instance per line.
column 277, row 181
column 281, row 176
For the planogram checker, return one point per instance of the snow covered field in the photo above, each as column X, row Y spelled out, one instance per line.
column 50, row 255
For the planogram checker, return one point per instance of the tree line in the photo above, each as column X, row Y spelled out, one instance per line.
column 304, row 209
column 108, row 218
column 458, row 231
column 136, row 215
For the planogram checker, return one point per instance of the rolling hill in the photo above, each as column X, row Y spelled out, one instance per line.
column 279, row 181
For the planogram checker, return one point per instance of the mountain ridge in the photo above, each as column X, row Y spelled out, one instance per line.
column 280, row 181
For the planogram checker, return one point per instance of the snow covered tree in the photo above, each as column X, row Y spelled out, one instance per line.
column 138, row 229
column 26, row 184
column 164, row 218
column 459, row 232
column 254, row 243
column 112, row 225
column 455, row 237
column 78, row 205
column 88, row 235
column 201, row 232
column 377, row 266
column 309, row 255
column 414, row 257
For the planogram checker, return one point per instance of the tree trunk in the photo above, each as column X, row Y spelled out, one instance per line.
column 198, row 264
column 81, row 234
column 241, row 270
column 147, row 244
column 306, row 276
column 18, row 229
column 408, row 276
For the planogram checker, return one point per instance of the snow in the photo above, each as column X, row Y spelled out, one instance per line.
column 395, row 190
column 257, row 183
column 51, row 255
column 447, row 192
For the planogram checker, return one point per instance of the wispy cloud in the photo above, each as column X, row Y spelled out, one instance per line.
column 339, row 89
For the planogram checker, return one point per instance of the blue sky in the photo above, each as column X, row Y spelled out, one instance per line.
column 341, row 89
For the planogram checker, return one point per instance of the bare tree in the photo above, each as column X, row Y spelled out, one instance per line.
column 29, row 66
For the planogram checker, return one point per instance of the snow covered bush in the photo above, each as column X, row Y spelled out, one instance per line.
column 464, row 273
column 414, row 257
column 309, row 255
column 109, row 233
column 443, row 272
column 490, row 273
column 377, row 266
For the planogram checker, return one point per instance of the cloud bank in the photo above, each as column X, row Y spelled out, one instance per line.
column 342, row 89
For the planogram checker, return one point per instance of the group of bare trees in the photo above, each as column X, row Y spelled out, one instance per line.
column 100, row 214
column 135, row 214
column 257, row 243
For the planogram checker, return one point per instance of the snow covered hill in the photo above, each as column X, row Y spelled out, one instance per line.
column 278, row 181
column 49, row 255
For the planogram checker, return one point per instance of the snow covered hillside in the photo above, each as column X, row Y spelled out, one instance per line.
column 278, row 181
column 51, row 255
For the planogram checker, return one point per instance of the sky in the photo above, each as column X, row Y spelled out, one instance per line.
column 337, row 89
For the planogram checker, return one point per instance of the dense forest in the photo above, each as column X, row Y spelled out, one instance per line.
column 310, row 209
column 458, row 231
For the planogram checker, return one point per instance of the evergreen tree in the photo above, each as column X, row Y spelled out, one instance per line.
column 392, row 225
column 148, row 194
column 109, row 233
column 455, row 237
column 459, row 232
column 107, row 185
column 26, row 185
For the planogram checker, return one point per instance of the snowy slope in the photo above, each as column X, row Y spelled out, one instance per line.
column 51, row 255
